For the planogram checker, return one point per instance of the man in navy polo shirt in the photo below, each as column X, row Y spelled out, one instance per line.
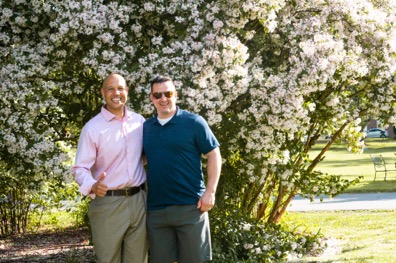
column 178, row 201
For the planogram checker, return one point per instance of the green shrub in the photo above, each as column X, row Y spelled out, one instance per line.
column 76, row 205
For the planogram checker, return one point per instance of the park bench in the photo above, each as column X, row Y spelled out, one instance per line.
column 380, row 166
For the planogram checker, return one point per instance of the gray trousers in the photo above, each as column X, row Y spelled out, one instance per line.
column 179, row 233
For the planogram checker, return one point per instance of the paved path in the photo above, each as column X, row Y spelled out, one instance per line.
column 367, row 201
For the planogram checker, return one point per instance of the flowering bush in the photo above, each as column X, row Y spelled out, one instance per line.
column 239, row 238
column 263, row 73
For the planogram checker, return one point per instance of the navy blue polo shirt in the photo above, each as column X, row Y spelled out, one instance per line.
column 173, row 151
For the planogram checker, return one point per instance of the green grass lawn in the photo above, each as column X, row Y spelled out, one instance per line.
column 339, row 161
column 354, row 236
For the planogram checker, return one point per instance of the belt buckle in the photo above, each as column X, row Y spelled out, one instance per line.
column 126, row 192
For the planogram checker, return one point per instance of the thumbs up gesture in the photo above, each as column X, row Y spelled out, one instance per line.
column 100, row 188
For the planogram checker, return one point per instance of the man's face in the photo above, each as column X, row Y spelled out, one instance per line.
column 166, row 107
column 115, row 93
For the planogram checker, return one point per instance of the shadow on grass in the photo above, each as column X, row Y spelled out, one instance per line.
column 357, row 248
column 366, row 187
column 339, row 163
column 372, row 145
column 387, row 149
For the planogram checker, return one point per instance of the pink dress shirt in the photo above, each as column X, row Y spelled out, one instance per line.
column 112, row 146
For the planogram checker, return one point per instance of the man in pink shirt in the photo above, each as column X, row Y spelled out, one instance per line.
column 110, row 169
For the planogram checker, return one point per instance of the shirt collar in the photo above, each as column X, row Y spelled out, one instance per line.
column 174, row 117
column 109, row 116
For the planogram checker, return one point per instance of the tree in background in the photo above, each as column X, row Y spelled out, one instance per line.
column 265, row 74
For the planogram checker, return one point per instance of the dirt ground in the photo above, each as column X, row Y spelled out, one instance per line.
column 70, row 245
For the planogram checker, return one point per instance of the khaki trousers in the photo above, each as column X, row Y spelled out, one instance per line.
column 118, row 227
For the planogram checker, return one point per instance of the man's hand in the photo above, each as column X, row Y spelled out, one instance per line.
column 99, row 188
column 206, row 202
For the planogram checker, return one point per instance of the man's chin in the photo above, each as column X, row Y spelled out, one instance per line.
column 115, row 106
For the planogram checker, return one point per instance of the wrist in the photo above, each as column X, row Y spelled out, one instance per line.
column 210, row 191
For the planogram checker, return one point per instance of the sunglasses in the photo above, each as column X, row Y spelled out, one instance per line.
column 167, row 94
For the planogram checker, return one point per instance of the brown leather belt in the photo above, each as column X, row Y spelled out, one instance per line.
column 126, row 192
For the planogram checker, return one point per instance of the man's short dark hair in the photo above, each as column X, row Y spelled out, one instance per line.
column 159, row 79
